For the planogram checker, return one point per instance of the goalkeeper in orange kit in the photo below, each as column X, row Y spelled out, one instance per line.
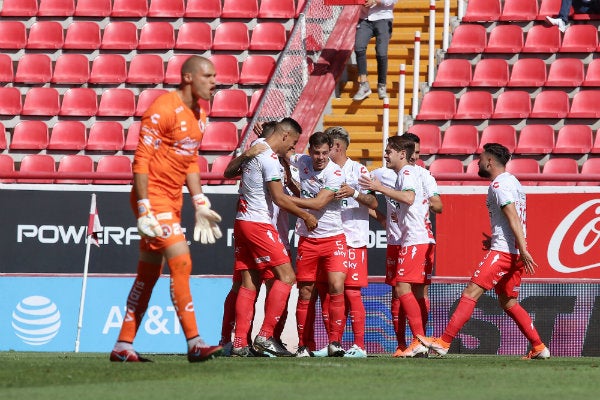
column 165, row 160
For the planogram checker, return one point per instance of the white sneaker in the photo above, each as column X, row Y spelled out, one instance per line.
column 303, row 351
column 335, row 349
column 364, row 90
column 321, row 353
column 381, row 91
column 562, row 26
column 356, row 352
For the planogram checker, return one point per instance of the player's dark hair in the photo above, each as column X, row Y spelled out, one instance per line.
column 318, row 139
column 411, row 136
column 290, row 124
column 498, row 151
column 268, row 128
column 338, row 132
column 400, row 143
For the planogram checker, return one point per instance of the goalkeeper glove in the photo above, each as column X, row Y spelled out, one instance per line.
column 147, row 223
column 206, row 229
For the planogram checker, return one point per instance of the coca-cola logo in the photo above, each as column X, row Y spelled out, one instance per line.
column 571, row 244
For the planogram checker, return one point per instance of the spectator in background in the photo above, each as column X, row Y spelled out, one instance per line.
column 376, row 18
column 580, row 7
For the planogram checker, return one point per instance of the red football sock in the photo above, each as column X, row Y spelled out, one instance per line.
column 302, row 320
column 282, row 320
column 399, row 322
column 323, row 290
column 275, row 303
column 459, row 318
column 244, row 314
column 137, row 301
column 181, row 269
column 424, row 305
column 410, row 306
column 228, row 317
column 525, row 324
column 357, row 314
column 336, row 316
column 309, row 329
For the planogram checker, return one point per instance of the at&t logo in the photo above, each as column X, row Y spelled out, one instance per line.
column 36, row 320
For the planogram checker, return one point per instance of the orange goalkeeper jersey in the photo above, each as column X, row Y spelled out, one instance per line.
column 167, row 150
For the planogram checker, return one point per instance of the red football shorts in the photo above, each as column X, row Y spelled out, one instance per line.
column 320, row 254
column 501, row 271
column 257, row 246
column 391, row 262
column 415, row 263
column 357, row 274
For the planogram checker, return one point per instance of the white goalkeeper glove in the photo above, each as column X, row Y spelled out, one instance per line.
column 147, row 224
column 206, row 229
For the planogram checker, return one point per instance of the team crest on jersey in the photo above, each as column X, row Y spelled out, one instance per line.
column 496, row 185
column 406, row 172
column 337, row 172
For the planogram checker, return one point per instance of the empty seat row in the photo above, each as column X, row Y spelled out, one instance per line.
column 83, row 163
column 516, row 10
column 143, row 69
column 150, row 8
column 526, row 72
column 114, row 102
column 102, row 136
column 123, row 35
column 519, row 166
column 532, row 139
column 472, row 38
column 515, row 104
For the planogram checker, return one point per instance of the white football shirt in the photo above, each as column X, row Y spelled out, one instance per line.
column 355, row 216
column 504, row 190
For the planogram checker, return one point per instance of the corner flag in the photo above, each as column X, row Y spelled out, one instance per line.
column 94, row 226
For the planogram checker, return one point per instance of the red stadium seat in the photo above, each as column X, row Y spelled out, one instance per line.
column 45, row 35
column 146, row 98
column 13, row 35
column 108, row 69
column 30, row 135
column 528, row 72
column 10, row 101
column 590, row 166
column 559, row 166
column 505, row 39
column 116, row 102
column 512, row 104
column 194, row 36
column 550, row 104
column 227, row 67
column 146, row 69
column 473, row 170
column 453, row 73
column 475, row 105
column 268, row 36
column 232, row 103
column 231, row 36
column 3, row 144
column 257, row 70
column 519, row 10
column 573, row 139
column 19, row 8
column 468, row 39
column 592, row 76
column 535, row 139
column 218, row 166
column 220, row 136
column 203, row 9
column 437, row 105
column 133, row 135
column 482, row 11
column 71, row 68
column 580, row 39
column 283, row 9
column 41, row 101
column 202, row 164
column 82, row 35
column 105, row 136
column 542, row 39
column 445, row 166
column 129, row 8
column 37, row 163
column 173, row 71
column 565, row 72
column 239, row 9
column 430, row 137
column 34, row 68
column 113, row 164
column 79, row 101
column 93, row 8
column 272, row 107
column 459, row 139
column 503, row 134
column 166, row 8
column 6, row 68
column 523, row 166
column 255, row 100
column 596, row 146
column 585, row 104
column 56, row 8
column 120, row 35
column 157, row 36
column 7, row 165
column 548, row 8
column 490, row 72
column 68, row 135
column 75, row 163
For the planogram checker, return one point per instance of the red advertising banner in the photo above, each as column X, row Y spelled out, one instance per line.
column 563, row 234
